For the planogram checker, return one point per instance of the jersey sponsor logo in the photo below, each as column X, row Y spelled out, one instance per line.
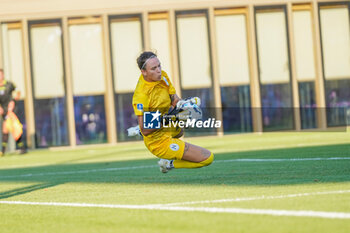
column 151, row 120
column 166, row 81
column 174, row 147
column 139, row 107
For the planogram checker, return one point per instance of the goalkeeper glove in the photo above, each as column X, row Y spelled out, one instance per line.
column 172, row 115
column 184, row 110
column 185, row 103
column 134, row 131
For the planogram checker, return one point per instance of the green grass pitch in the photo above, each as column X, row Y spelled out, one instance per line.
column 271, row 182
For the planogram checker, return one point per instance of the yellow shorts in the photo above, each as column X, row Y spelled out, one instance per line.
column 166, row 147
column 174, row 149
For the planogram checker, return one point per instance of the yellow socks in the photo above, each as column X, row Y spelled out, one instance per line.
column 187, row 164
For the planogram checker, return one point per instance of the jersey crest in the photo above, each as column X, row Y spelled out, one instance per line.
column 139, row 107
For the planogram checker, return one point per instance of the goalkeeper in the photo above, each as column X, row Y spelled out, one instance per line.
column 154, row 92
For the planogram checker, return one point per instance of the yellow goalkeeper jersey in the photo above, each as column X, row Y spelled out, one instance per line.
column 153, row 96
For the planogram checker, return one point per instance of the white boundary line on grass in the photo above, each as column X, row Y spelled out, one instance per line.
column 283, row 160
column 239, row 199
column 80, row 171
column 152, row 166
column 295, row 213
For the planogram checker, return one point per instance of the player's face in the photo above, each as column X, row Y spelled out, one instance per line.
column 1, row 76
column 153, row 71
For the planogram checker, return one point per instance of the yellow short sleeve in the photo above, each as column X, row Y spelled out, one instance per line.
column 140, row 104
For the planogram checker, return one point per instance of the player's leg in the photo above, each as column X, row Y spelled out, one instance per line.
column 184, row 155
column 17, row 133
column 21, row 145
column 12, row 124
column 5, row 137
column 194, row 157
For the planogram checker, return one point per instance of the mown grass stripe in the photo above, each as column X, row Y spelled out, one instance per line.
column 153, row 166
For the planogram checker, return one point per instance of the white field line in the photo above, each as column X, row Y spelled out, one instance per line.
column 152, row 166
column 295, row 213
column 282, row 160
column 240, row 199
column 79, row 171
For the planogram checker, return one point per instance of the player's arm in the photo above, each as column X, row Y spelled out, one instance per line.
column 16, row 95
column 144, row 131
column 11, row 106
column 174, row 99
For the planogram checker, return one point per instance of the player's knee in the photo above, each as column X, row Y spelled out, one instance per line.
column 209, row 160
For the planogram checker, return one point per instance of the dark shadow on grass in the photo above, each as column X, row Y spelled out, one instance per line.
column 24, row 190
column 221, row 172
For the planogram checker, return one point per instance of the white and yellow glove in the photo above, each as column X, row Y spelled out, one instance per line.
column 188, row 109
column 185, row 103
column 134, row 131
